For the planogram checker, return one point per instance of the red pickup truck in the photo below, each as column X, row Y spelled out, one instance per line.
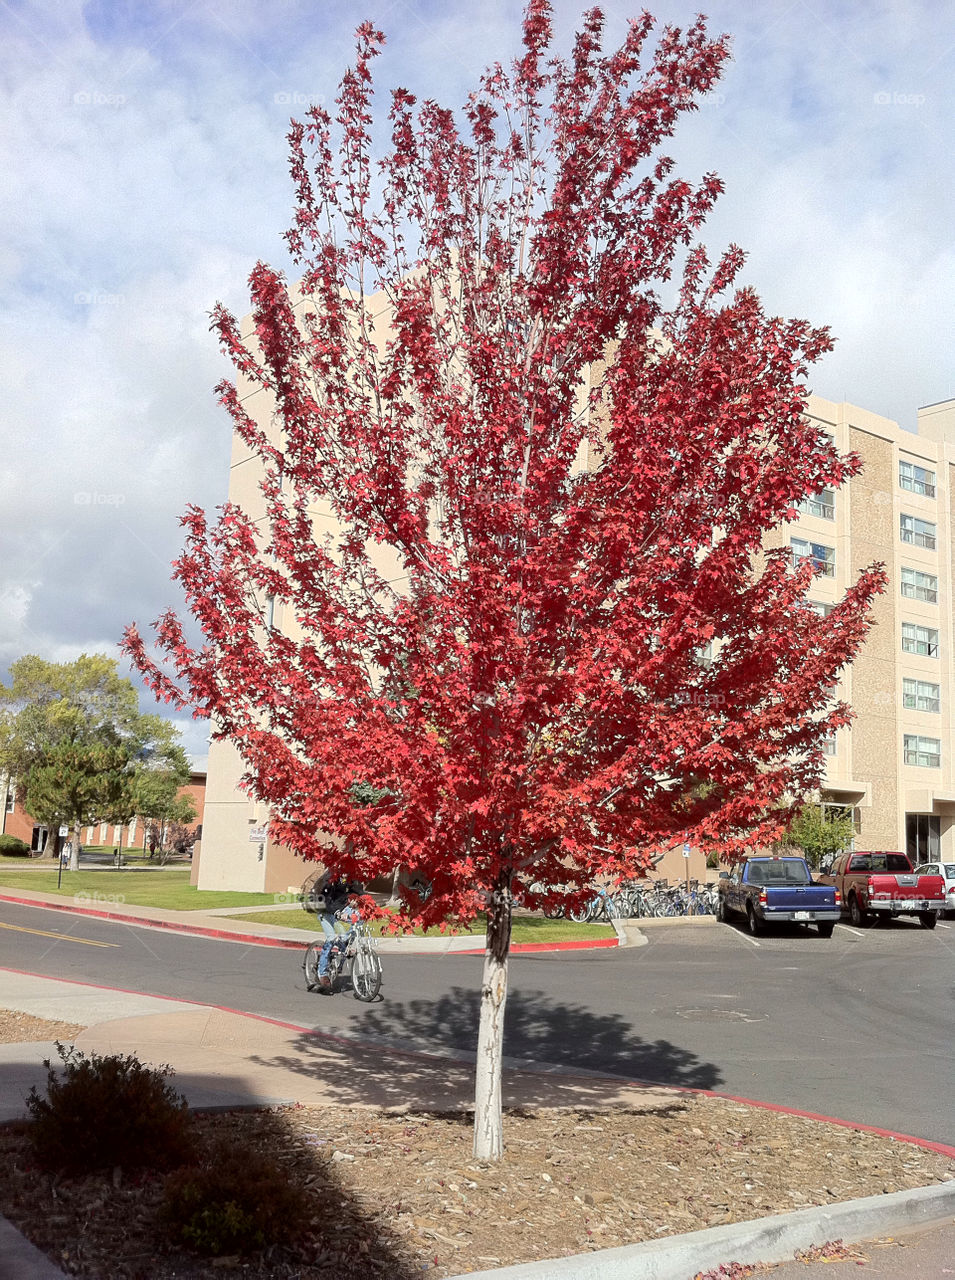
column 881, row 885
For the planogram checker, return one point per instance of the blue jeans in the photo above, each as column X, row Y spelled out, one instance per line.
column 329, row 921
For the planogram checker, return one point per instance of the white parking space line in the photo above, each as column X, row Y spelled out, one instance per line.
column 858, row 933
column 943, row 926
column 736, row 933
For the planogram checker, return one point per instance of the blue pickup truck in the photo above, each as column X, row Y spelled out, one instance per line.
column 769, row 889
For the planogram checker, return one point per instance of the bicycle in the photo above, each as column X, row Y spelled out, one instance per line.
column 603, row 905
column 354, row 957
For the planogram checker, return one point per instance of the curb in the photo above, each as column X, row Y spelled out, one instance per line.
column 442, row 944
column 768, row 1240
column 21, row 1260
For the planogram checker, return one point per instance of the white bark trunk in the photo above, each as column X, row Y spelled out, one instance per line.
column 75, row 851
column 488, row 1119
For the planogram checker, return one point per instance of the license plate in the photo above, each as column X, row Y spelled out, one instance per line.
column 802, row 915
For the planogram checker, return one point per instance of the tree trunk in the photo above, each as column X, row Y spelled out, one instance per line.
column 75, row 851
column 488, row 1126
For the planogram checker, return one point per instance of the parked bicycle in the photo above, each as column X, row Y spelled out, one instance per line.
column 353, row 959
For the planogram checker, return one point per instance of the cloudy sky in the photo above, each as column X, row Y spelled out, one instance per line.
column 144, row 173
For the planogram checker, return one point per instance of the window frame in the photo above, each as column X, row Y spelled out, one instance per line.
column 918, row 531
column 918, row 696
column 931, row 648
column 921, row 756
column 920, row 484
column 822, row 505
column 825, row 564
column 919, row 591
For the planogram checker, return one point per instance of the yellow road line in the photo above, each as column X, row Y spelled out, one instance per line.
column 63, row 937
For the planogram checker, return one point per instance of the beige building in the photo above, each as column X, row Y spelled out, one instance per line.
column 895, row 767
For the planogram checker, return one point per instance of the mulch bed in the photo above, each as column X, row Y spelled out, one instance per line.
column 23, row 1028
column 397, row 1195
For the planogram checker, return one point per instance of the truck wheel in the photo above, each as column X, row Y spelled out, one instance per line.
column 825, row 930
column 928, row 919
column 857, row 914
column 753, row 921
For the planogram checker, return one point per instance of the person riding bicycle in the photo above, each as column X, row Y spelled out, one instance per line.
column 331, row 902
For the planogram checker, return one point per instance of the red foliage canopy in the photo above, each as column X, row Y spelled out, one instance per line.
column 548, row 491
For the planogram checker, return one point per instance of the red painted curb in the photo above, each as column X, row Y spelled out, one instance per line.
column 260, row 940
column 940, row 1148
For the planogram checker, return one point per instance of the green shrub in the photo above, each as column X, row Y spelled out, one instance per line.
column 11, row 847
column 108, row 1111
column 234, row 1201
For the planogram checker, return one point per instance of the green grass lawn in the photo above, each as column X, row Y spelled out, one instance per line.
column 525, row 928
column 162, row 888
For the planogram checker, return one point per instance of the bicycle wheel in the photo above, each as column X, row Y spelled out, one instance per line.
column 581, row 914
column 366, row 973
column 310, row 965
column 620, row 906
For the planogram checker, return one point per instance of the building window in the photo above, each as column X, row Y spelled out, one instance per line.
column 10, row 800
column 820, row 607
column 920, row 586
column 923, row 837
column 921, row 695
column 921, row 640
column 829, row 745
column 917, row 479
column 822, row 504
column 924, row 752
column 823, row 558
column 920, row 533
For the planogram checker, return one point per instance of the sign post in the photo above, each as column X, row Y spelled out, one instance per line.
column 686, row 855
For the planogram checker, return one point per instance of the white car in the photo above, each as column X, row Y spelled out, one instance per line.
column 947, row 871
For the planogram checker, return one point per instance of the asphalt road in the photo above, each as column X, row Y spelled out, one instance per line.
column 859, row 1026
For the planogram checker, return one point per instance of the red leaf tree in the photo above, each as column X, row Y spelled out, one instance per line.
column 479, row 378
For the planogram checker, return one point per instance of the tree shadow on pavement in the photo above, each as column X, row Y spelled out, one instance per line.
column 395, row 1062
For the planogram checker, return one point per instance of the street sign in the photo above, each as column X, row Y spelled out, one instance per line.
column 258, row 834
column 64, row 831
column 686, row 849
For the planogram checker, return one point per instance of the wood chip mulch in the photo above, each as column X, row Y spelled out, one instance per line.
column 25, row 1028
column 397, row 1195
